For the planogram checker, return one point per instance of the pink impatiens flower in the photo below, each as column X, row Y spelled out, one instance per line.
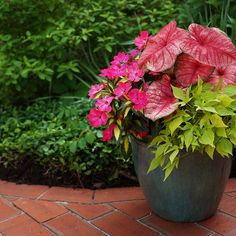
column 134, row 53
column 97, row 118
column 108, row 133
column 139, row 98
column 122, row 89
column 141, row 40
column 114, row 71
column 120, row 58
column 134, row 73
column 104, row 104
column 95, row 89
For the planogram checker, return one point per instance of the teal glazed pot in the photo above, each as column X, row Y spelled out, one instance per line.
column 191, row 193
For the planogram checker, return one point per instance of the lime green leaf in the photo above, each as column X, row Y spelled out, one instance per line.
column 225, row 100
column 224, row 147
column 217, row 121
column 169, row 168
column 204, row 121
column 223, row 111
column 173, row 155
column 173, row 125
column 159, row 156
column 210, row 151
column 230, row 90
column 207, row 137
column 178, row 93
column 188, row 137
column 220, row 132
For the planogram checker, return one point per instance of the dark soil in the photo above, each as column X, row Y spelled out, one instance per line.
column 31, row 173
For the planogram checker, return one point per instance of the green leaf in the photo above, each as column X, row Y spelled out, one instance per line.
column 217, row 121
column 178, row 93
column 229, row 90
column 225, row 100
column 73, row 146
column 210, row 151
column 224, row 147
column 169, row 168
column 223, row 111
column 204, row 120
column 207, row 137
column 159, row 156
column 173, row 155
column 90, row 137
column 188, row 137
column 174, row 124
column 220, row 132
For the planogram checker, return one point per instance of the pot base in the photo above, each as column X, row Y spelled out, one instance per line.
column 191, row 193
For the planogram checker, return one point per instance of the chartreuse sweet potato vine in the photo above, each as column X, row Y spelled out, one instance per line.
column 204, row 122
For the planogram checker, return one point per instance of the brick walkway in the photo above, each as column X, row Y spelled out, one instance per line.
column 29, row 210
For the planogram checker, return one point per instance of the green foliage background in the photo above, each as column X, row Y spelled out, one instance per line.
column 58, row 47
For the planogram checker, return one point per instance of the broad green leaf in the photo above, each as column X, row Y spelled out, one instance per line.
column 178, row 93
column 174, row 124
column 159, row 156
column 204, row 120
column 220, row 132
column 90, row 137
column 207, row 137
column 223, row 111
column 73, row 146
column 169, row 168
column 188, row 137
column 210, row 151
column 173, row 155
column 217, row 121
column 156, row 161
column 225, row 100
column 224, row 147
column 230, row 90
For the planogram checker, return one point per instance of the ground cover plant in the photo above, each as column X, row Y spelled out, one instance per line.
column 51, row 142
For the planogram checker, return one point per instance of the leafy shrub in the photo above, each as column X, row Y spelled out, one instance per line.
column 56, row 136
column 58, row 46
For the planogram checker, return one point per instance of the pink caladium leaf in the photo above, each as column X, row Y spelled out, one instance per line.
column 226, row 73
column 209, row 46
column 161, row 101
column 162, row 49
column 188, row 70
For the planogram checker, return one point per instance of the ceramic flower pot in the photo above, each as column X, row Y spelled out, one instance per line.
column 191, row 193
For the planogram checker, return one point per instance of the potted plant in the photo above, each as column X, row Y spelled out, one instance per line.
column 173, row 97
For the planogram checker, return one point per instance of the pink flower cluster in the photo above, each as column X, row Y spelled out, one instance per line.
column 122, row 89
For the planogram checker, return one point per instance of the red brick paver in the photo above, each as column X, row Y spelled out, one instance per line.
column 71, row 226
column 29, row 210
column 40, row 210
column 89, row 211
